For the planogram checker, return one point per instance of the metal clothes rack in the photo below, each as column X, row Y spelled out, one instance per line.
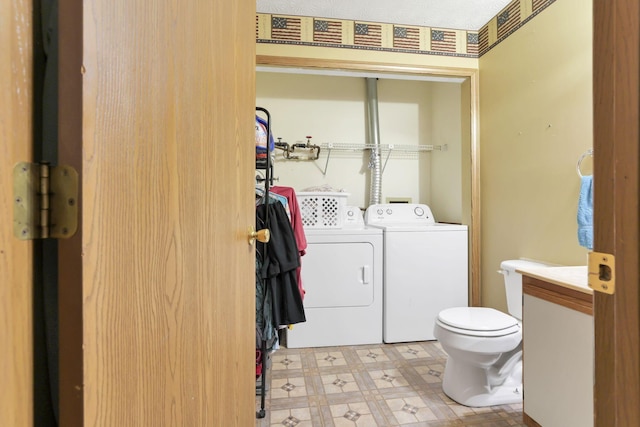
column 329, row 147
column 389, row 148
column 268, row 182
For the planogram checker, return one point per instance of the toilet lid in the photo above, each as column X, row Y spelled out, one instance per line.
column 485, row 321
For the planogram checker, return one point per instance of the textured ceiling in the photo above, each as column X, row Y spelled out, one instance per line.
column 454, row 14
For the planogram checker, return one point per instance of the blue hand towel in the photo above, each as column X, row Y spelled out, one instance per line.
column 585, row 212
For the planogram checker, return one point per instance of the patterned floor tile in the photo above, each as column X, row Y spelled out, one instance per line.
column 388, row 378
column 342, row 383
column 292, row 418
column 288, row 387
column 431, row 373
column 285, row 362
column 410, row 410
column 335, row 358
column 372, row 355
column 386, row 385
column 414, row 351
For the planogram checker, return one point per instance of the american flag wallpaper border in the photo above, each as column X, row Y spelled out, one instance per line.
column 528, row 10
column 526, row 6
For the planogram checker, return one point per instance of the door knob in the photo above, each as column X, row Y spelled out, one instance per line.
column 261, row 235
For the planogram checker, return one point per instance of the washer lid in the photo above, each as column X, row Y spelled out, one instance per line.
column 481, row 319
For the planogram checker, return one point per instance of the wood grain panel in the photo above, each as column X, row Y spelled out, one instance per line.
column 285, row 61
column 616, row 198
column 529, row 422
column 168, row 288
column 476, row 208
column 16, row 278
column 70, row 297
column 560, row 295
column 604, row 312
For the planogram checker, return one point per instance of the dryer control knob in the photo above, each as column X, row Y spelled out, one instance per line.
column 389, row 211
column 380, row 211
column 419, row 211
column 350, row 213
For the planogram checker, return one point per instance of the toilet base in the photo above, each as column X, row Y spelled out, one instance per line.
column 469, row 386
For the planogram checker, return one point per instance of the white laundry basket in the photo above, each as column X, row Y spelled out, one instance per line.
column 322, row 209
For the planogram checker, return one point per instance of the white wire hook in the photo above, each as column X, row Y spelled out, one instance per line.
column 589, row 152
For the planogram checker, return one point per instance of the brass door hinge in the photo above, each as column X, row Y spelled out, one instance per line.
column 602, row 272
column 45, row 201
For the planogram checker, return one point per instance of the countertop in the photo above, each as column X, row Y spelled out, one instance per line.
column 571, row 277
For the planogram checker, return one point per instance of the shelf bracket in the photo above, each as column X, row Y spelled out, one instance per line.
column 391, row 147
column 326, row 165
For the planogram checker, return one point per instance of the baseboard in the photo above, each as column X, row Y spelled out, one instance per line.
column 528, row 421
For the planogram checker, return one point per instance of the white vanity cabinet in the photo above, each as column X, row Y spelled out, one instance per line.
column 558, row 337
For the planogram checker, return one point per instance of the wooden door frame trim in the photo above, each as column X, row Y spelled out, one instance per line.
column 388, row 68
column 70, row 275
column 16, row 256
column 616, row 193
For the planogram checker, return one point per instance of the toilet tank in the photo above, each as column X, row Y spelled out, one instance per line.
column 513, row 283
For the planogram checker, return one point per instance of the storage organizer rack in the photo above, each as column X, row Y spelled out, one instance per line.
column 268, row 182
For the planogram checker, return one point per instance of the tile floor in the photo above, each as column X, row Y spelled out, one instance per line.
column 383, row 385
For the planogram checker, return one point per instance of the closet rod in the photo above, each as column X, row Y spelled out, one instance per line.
column 389, row 148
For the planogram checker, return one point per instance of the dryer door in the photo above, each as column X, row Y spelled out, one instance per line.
column 338, row 274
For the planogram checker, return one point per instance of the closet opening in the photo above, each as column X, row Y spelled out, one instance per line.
column 428, row 132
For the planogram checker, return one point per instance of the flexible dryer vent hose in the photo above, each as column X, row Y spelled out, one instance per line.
column 374, row 137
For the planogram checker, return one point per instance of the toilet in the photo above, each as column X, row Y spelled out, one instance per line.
column 484, row 367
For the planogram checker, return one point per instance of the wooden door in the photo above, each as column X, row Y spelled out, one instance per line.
column 157, row 289
column 16, row 278
column 616, row 209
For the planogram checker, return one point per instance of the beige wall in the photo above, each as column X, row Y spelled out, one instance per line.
column 332, row 109
column 466, row 149
column 446, row 174
column 535, row 122
column 404, row 176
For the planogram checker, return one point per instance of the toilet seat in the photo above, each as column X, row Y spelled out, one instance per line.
column 478, row 321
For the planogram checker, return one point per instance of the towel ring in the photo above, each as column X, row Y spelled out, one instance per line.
column 589, row 152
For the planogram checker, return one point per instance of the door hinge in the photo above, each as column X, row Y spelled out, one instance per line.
column 602, row 272
column 45, row 201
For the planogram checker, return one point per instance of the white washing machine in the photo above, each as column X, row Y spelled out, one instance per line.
column 425, row 269
column 342, row 277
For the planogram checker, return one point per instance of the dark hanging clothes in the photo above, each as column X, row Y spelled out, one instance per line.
column 265, row 330
column 280, row 265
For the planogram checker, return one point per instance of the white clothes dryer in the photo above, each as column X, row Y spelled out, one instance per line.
column 342, row 277
column 425, row 269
